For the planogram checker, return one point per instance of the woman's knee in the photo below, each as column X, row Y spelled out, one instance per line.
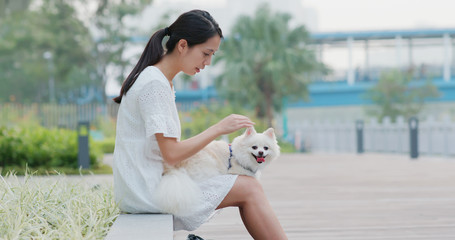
column 245, row 190
column 251, row 189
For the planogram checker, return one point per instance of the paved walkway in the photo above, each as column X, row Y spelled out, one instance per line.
column 348, row 196
column 358, row 197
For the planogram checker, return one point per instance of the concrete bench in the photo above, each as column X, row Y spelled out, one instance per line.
column 142, row 226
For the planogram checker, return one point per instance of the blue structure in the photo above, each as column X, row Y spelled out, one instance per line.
column 331, row 37
column 323, row 94
column 351, row 89
column 405, row 42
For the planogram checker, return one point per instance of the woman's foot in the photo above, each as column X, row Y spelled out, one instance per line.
column 193, row 237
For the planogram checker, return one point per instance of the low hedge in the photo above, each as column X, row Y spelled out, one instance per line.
column 106, row 145
column 36, row 146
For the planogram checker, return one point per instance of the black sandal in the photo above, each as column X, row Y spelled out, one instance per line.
column 193, row 237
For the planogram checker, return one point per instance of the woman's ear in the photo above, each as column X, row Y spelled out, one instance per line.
column 182, row 45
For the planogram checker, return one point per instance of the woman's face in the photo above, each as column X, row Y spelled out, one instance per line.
column 195, row 58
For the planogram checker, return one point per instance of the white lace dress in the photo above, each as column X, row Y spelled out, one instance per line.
column 149, row 108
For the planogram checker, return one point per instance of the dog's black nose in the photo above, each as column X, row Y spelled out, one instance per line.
column 261, row 153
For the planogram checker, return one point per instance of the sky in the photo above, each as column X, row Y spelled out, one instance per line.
column 343, row 15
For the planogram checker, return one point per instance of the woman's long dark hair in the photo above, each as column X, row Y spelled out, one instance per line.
column 195, row 27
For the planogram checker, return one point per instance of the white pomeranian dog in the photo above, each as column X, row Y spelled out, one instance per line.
column 250, row 152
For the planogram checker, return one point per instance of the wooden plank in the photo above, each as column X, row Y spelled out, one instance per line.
column 350, row 196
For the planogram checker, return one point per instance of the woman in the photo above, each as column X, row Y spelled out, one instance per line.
column 148, row 131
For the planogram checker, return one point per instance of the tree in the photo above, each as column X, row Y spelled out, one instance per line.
column 26, row 35
column 77, row 58
column 395, row 94
column 113, row 35
column 265, row 61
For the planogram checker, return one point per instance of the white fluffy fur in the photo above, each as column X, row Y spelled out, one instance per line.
column 178, row 190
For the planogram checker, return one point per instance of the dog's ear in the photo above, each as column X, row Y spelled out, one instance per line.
column 270, row 133
column 249, row 131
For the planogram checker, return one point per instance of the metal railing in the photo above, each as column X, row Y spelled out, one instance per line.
column 434, row 137
column 55, row 115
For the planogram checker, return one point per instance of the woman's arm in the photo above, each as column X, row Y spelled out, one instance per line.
column 174, row 151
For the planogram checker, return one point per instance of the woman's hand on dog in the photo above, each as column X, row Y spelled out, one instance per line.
column 191, row 146
column 233, row 123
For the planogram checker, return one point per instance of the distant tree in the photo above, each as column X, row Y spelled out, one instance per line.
column 264, row 60
column 71, row 41
column 11, row 6
column 395, row 94
column 113, row 35
column 49, row 27
column 15, row 70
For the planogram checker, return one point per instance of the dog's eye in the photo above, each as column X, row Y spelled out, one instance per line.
column 255, row 147
column 266, row 148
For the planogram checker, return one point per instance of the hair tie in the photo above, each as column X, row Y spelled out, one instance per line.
column 166, row 31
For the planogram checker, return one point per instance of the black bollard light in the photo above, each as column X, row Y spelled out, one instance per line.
column 414, row 137
column 83, row 157
column 359, row 132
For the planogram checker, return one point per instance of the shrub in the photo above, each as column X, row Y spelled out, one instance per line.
column 106, row 145
column 199, row 119
column 37, row 146
column 106, row 125
column 286, row 147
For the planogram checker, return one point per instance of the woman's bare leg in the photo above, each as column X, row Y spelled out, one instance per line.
column 255, row 210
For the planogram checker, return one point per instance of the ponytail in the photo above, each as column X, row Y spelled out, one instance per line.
column 195, row 27
column 152, row 54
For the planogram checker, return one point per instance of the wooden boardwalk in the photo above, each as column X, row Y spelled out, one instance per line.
column 348, row 196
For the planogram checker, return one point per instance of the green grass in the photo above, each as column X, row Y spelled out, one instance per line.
column 101, row 169
column 33, row 207
column 286, row 147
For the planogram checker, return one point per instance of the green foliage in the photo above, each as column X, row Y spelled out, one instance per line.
column 11, row 114
column 113, row 35
column 36, row 146
column 42, row 40
column 106, row 125
column 286, row 147
column 201, row 118
column 264, row 61
column 51, row 171
column 25, row 38
column 106, row 145
column 396, row 95
column 55, row 208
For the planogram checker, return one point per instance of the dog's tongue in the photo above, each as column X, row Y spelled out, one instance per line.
column 260, row 159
